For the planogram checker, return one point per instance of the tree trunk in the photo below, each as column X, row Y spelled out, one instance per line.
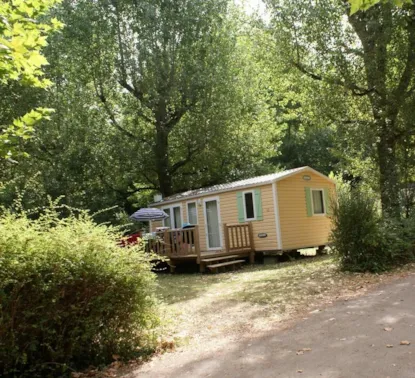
column 388, row 169
column 374, row 29
column 162, row 161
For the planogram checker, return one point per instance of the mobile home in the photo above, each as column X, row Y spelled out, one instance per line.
column 275, row 212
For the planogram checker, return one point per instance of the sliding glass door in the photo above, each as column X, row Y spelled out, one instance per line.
column 212, row 220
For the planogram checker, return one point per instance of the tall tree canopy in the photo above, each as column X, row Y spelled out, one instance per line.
column 167, row 75
column 370, row 55
column 171, row 95
column 139, row 106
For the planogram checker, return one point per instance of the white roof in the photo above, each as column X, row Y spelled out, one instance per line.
column 253, row 181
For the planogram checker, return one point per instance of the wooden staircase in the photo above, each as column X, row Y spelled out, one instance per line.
column 215, row 264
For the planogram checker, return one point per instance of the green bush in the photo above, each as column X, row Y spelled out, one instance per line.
column 364, row 240
column 70, row 296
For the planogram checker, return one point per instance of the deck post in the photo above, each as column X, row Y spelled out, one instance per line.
column 166, row 247
column 226, row 233
column 251, row 244
column 196, row 240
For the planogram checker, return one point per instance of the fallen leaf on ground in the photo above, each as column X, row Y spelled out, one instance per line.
column 388, row 329
column 389, row 346
column 299, row 371
column 405, row 342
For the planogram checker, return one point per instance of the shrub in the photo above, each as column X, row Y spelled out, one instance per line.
column 70, row 296
column 364, row 240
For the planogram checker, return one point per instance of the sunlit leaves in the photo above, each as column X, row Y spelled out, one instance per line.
column 22, row 128
column 23, row 33
column 356, row 5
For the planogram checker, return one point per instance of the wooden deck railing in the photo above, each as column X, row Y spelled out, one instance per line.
column 176, row 243
column 240, row 238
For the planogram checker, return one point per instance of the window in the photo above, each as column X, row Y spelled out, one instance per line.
column 249, row 205
column 192, row 213
column 167, row 221
column 318, row 202
column 175, row 217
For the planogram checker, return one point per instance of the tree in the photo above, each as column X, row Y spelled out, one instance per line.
column 100, row 154
column 159, row 59
column 357, row 5
column 372, row 58
column 23, row 33
column 175, row 96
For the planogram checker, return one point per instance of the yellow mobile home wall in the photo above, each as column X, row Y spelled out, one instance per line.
column 297, row 229
column 229, row 215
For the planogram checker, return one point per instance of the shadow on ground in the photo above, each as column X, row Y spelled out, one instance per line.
column 347, row 339
column 188, row 285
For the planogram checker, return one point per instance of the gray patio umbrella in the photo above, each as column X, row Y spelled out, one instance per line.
column 149, row 214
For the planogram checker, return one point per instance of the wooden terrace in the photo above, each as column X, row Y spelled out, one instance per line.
column 183, row 244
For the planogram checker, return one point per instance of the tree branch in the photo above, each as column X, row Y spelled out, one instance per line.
column 140, row 189
column 355, row 89
column 401, row 92
column 187, row 159
column 176, row 117
column 133, row 90
column 100, row 94
column 138, row 95
column 354, row 121
column 124, row 193
column 150, row 181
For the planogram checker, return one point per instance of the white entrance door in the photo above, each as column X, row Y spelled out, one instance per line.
column 212, row 221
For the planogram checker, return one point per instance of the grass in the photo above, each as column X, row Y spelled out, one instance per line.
column 256, row 298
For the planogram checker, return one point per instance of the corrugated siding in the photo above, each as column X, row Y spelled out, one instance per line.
column 297, row 229
column 155, row 224
column 229, row 214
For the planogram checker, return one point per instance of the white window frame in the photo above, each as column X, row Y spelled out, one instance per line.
column 323, row 198
column 172, row 215
column 253, row 203
column 187, row 210
column 219, row 221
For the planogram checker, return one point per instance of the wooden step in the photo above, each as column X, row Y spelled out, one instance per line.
column 214, row 266
column 220, row 258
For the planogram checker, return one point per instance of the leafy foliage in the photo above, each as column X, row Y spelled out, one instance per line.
column 365, row 241
column 70, row 295
column 23, row 33
column 169, row 108
column 368, row 60
column 95, row 163
column 357, row 5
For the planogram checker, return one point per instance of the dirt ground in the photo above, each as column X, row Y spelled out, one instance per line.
column 202, row 309
column 216, row 319
column 369, row 336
